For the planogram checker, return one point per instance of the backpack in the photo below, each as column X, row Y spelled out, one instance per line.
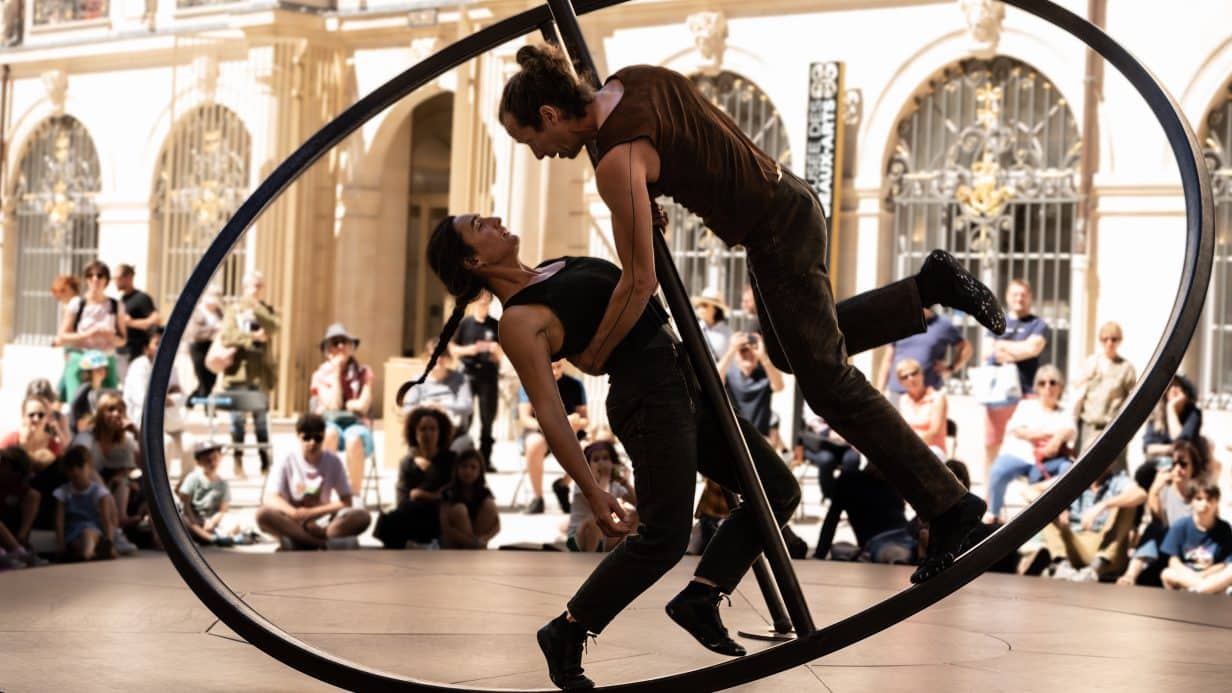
column 113, row 307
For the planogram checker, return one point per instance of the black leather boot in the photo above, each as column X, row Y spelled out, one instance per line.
column 562, row 643
column 949, row 535
column 696, row 609
column 942, row 279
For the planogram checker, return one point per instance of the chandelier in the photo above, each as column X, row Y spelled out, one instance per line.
column 214, row 185
column 66, row 189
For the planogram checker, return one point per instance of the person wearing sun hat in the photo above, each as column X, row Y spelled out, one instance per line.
column 342, row 394
column 712, row 313
column 93, row 369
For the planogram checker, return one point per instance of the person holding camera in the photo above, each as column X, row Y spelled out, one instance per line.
column 751, row 378
column 248, row 325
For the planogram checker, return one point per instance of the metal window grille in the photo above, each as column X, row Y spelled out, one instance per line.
column 61, row 11
column 202, row 178
column 703, row 259
column 57, row 221
column 986, row 166
column 1216, row 376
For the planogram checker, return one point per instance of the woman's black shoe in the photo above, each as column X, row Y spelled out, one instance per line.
column 562, row 490
column 535, row 507
column 949, row 535
column 696, row 609
column 944, row 280
column 562, row 643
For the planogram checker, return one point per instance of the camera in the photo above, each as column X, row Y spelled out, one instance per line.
column 254, row 326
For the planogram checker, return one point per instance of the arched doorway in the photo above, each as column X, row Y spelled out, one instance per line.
column 427, row 202
column 57, row 221
column 702, row 258
column 986, row 166
column 201, row 178
column 1216, row 335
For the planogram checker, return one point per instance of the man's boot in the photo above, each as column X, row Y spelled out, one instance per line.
column 562, row 642
column 696, row 609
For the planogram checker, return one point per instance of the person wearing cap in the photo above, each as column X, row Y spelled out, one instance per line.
column 712, row 317
column 92, row 369
column 248, row 325
column 95, row 321
column 206, row 498
column 342, row 394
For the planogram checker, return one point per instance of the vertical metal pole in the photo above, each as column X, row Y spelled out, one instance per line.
column 703, row 365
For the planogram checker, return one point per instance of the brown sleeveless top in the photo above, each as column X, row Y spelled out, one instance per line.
column 705, row 162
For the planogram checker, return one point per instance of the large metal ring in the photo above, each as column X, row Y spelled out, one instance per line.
column 1186, row 310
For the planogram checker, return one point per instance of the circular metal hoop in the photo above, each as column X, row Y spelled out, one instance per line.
column 254, row 628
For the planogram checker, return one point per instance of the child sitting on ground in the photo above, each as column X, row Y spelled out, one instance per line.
column 584, row 533
column 469, row 518
column 85, row 511
column 206, row 498
column 18, row 507
column 1199, row 547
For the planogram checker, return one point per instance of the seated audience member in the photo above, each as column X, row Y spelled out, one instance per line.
column 342, row 392
column 1037, row 441
column 824, row 447
column 583, row 533
column 137, row 383
column 422, row 474
column 923, row 408
column 929, row 349
column 1093, row 535
column 19, row 505
column 206, row 498
column 1167, row 500
column 297, row 507
column 469, row 518
column 1008, row 563
column 573, row 394
column 448, row 389
column 1199, row 546
column 43, row 389
column 1176, row 417
column 113, row 449
column 878, row 517
column 85, row 512
column 36, row 434
column 751, row 379
column 93, row 370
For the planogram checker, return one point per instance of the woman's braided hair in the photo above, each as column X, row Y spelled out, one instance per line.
column 447, row 255
column 544, row 80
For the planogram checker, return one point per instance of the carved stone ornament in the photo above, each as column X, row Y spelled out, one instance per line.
column 56, row 84
column 206, row 69
column 709, row 31
column 984, row 19
column 853, row 107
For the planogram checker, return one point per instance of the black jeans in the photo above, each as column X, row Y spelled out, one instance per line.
column 205, row 377
column 670, row 434
column 487, row 395
column 795, row 303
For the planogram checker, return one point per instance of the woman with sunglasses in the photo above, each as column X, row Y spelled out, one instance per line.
column 1105, row 385
column 1167, row 500
column 1038, row 439
column 35, row 434
column 923, row 408
column 93, row 320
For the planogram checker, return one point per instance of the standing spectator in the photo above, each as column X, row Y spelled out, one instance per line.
column 1039, row 440
column 206, row 498
column 1026, row 336
column 248, row 324
column 36, row 434
column 536, row 446
column 137, row 383
column 422, row 474
column 1167, row 499
column 342, row 393
column 475, row 343
column 142, row 315
column 448, row 389
column 203, row 329
column 19, row 506
column 923, row 408
column 64, row 289
column 1199, row 546
column 297, row 498
column 930, row 349
column 711, row 313
column 469, row 518
column 1176, row 417
column 584, row 533
column 92, row 321
column 748, row 305
column 84, row 513
column 93, row 368
column 1106, row 383
column 751, row 379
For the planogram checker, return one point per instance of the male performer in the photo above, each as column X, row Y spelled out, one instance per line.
column 658, row 135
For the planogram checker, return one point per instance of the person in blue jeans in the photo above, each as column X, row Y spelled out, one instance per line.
column 1038, row 439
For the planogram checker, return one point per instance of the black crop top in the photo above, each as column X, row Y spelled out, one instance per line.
column 578, row 295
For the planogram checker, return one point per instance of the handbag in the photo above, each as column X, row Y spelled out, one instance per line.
column 995, row 386
column 219, row 357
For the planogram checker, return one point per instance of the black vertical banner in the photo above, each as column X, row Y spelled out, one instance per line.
column 823, row 153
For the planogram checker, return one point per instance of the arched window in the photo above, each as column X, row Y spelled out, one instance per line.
column 1216, row 341
column 57, row 221
column 703, row 259
column 201, row 179
column 986, row 166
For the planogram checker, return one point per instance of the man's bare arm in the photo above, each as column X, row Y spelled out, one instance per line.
column 621, row 179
